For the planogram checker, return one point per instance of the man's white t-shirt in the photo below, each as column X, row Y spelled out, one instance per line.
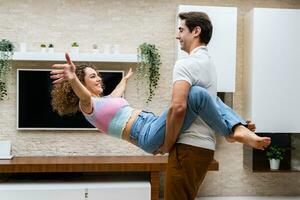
column 198, row 69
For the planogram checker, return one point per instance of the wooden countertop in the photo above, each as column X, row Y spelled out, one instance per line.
column 38, row 164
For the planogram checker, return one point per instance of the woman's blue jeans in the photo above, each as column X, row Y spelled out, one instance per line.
column 149, row 130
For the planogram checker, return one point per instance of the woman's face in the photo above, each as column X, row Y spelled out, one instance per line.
column 93, row 82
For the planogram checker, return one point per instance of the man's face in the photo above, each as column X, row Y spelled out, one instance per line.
column 184, row 36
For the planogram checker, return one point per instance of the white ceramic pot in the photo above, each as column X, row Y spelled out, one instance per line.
column 51, row 50
column 95, row 50
column 43, row 49
column 274, row 164
column 75, row 50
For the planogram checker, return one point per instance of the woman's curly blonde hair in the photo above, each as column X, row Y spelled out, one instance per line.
column 64, row 100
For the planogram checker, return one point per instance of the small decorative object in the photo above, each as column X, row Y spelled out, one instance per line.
column 115, row 49
column 50, row 48
column 43, row 48
column 6, row 52
column 75, row 47
column 5, row 149
column 107, row 48
column 22, row 47
column 275, row 155
column 95, row 48
column 148, row 68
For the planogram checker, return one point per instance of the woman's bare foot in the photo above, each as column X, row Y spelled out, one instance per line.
column 244, row 135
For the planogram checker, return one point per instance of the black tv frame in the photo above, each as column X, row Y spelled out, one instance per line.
column 78, row 116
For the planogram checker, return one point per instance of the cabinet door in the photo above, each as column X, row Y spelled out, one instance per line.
column 120, row 190
column 222, row 46
column 272, row 73
column 31, row 191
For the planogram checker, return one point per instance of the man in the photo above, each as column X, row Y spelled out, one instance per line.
column 190, row 157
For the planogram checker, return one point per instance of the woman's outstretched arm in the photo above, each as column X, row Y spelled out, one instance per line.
column 120, row 88
column 67, row 72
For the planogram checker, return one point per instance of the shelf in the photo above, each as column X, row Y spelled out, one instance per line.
column 77, row 57
column 257, row 161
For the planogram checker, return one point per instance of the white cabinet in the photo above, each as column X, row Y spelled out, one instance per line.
column 272, row 69
column 133, row 190
column 45, row 191
column 222, row 46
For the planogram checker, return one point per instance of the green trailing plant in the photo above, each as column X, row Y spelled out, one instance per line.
column 50, row 45
column 148, row 67
column 6, row 52
column 275, row 152
column 43, row 46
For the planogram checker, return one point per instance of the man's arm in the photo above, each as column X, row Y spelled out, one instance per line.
column 176, row 114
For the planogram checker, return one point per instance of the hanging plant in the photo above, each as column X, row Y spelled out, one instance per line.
column 6, row 52
column 148, row 67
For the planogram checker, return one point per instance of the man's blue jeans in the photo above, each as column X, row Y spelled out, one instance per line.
column 149, row 130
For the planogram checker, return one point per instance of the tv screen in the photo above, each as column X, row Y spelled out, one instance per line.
column 34, row 101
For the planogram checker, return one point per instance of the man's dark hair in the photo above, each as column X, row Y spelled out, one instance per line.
column 201, row 19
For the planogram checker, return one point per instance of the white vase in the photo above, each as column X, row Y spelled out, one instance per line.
column 274, row 164
column 22, row 47
column 5, row 149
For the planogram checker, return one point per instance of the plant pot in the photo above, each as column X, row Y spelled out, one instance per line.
column 75, row 50
column 274, row 164
column 50, row 50
column 95, row 50
column 43, row 49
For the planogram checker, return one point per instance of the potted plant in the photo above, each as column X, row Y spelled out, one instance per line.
column 6, row 52
column 75, row 47
column 43, row 48
column 275, row 155
column 148, row 68
column 50, row 48
column 95, row 48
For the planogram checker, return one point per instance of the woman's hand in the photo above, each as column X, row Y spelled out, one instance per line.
column 63, row 72
column 129, row 74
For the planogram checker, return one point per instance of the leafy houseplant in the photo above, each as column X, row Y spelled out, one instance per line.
column 43, row 47
column 148, row 67
column 95, row 48
column 6, row 52
column 75, row 44
column 50, row 48
column 275, row 154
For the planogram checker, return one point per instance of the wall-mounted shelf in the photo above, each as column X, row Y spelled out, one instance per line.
column 257, row 161
column 77, row 57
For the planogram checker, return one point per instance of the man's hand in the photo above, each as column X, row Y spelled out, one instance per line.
column 251, row 126
column 161, row 150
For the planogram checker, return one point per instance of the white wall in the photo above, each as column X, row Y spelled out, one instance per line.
column 222, row 46
column 272, row 78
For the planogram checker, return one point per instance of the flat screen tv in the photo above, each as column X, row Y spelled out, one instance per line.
column 34, row 110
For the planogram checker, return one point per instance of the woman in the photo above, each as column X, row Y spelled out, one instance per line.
column 82, row 89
